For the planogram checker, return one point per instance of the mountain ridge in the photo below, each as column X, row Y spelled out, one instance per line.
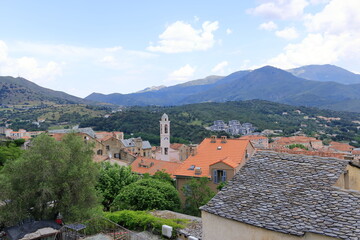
column 266, row 83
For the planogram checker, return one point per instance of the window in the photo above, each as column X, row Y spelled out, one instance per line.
column 107, row 147
column 99, row 152
column 166, row 128
column 116, row 155
column 219, row 176
column 166, row 151
column 346, row 180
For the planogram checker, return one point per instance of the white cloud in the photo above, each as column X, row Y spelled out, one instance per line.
column 182, row 37
column 288, row 33
column 3, row 51
column 219, row 68
column 268, row 26
column 280, row 9
column 338, row 16
column 333, row 37
column 196, row 19
column 27, row 67
column 228, row 31
column 316, row 2
column 318, row 49
column 182, row 74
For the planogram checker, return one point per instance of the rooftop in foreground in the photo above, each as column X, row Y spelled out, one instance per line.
column 291, row 194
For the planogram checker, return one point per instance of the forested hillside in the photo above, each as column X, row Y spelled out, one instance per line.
column 188, row 121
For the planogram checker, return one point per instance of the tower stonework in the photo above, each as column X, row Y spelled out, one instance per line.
column 165, row 137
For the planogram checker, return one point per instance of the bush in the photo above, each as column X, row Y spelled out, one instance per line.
column 142, row 220
column 292, row 146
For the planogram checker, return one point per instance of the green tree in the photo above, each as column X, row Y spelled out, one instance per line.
column 51, row 177
column 112, row 179
column 197, row 194
column 163, row 176
column 10, row 151
column 148, row 194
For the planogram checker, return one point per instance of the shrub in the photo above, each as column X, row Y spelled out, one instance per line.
column 142, row 220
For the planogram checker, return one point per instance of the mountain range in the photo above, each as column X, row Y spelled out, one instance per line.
column 17, row 91
column 323, row 86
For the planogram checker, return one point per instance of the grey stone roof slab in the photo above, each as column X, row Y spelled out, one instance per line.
column 88, row 131
column 292, row 194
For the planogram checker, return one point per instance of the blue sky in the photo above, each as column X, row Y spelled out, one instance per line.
column 82, row 47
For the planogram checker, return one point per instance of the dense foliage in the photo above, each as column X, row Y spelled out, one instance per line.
column 197, row 194
column 292, row 146
column 112, row 179
column 147, row 194
column 188, row 121
column 141, row 220
column 10, row 150
column 51, row 177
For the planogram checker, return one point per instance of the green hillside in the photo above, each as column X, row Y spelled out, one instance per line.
column 188, row 121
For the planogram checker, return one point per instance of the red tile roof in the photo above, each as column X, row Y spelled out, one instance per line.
column 232, row 153
column 148, row 165
column 343, row 147
column 253, row 137
column 176, row 146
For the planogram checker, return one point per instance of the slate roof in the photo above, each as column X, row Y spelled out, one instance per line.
column 131, row 143
column 88, row 131
column 18, row 232
column 292, row 194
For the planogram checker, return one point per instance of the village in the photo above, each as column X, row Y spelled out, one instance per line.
column 292, row 185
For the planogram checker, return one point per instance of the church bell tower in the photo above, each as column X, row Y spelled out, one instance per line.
column 165, row 137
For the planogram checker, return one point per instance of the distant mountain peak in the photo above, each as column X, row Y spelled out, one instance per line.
column 150, row 89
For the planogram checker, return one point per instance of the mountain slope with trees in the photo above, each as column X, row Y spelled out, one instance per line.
column 15, row 91
column 326, row 73
column 188, row 122
column 266, row 83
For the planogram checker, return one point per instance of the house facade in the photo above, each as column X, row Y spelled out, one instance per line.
column 217, row 159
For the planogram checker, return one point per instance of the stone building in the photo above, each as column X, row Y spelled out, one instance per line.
column 136, row 146
column 278, row 196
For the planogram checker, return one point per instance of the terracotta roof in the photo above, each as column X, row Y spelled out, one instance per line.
column 209, row 153
column 176, row 146
column 57, row 136
column 228, row 161
column 295, row 139
column 253, row 137
column 343, row 147
column 105, row 138
column 148, row 165
column 100, row 158
column 355, row 152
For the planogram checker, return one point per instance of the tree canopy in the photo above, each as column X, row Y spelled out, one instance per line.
column 148, row 194
column 197, row 194
column 51, row 177
column 113, row 178
column 10, row 151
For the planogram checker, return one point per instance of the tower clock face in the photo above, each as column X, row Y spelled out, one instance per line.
column 166, row 138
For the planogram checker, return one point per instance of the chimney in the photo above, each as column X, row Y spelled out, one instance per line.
column 223, row 139
column 213, row 139
column 198, row 171
column 193, row 151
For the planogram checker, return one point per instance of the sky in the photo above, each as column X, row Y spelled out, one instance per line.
column 118, row 46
